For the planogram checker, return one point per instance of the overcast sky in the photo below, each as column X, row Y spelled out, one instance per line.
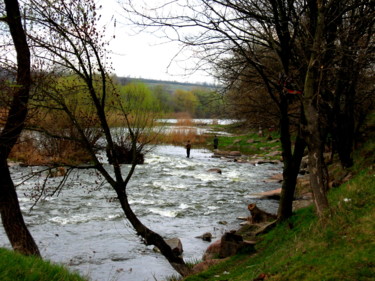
column 145, row 55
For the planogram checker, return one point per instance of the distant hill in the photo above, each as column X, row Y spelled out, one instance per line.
column 171, row 86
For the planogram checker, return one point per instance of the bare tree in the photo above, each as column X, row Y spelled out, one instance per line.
column 353, row 95
column 300, row 38
column 255, row 35
column 66, row 38
column 328, row 53
column 11, row 215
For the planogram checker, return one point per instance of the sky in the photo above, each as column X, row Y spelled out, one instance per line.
column 145, row 55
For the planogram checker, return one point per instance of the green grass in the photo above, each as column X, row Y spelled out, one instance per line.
column 248, row 144
column 14, row 267
column 340, row 246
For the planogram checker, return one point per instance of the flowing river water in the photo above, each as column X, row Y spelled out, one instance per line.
column 85, row 229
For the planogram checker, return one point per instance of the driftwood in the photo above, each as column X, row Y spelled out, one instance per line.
column 258, row 215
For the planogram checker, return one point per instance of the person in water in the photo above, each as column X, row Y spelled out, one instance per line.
column 216, row 142
column 188, row 147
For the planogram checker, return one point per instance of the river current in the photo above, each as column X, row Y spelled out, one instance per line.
column 85, row 229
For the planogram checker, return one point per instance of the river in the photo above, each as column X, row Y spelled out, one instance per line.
column 175, row 196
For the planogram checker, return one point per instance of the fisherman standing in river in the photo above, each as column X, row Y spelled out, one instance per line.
column 188, row 147
column 216, row 142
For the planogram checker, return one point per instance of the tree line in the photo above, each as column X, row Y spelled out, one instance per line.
column 198, row 102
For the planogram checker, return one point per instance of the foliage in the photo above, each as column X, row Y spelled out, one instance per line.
column 210, row 104
column 164, row 97
column 184, row 101
column 14, row 266
column 138, row 97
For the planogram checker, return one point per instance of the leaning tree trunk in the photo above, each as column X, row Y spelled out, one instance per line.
column 11, row 215
column 152, row 238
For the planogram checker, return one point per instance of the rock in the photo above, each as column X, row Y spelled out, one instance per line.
column 236, row 141
column 240, row 160
column 176, row 245
column 230, row 244
column 272, row 194
column 215, row 170
column 258, row 215
column 235, row 153
column 212, row 251
column 243, row 218
column 57, row 172
column 274, row 153
column 275, row 178
column 205, row 236
column 263, row 161
column 226, row 154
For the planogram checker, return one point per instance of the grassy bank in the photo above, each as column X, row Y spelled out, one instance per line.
column 251, row 144
column 14, row 266
column 340, row 246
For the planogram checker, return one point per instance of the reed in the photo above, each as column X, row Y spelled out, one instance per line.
column 26, row 151
column 181, row 136
column 48, row 151
column 185, row 122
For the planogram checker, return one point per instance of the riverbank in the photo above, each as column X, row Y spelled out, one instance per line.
column 14, row 266
column 191, row 174
column 338, row 247
column 84, row 229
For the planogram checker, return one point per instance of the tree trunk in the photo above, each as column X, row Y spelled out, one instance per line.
column 14, row 225
column 344, row 111
column 314, row 114
column 318, row 176
column 291, row 162
column 153, row 238
column 11, row 215
column 290, row 174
